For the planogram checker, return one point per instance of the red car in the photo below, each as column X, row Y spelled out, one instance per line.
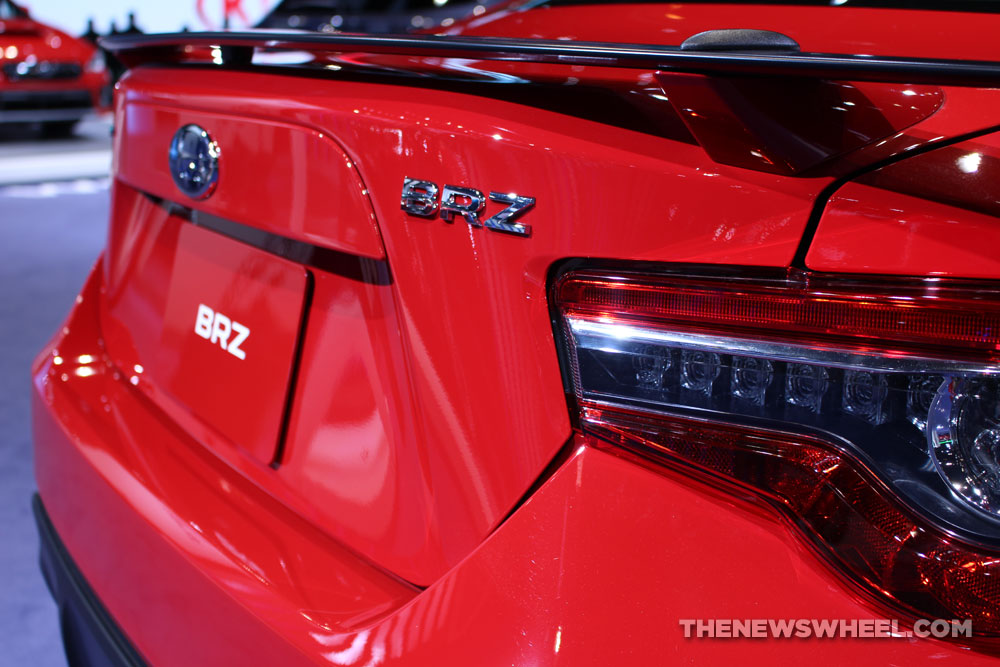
column 46, row 76
column 584, row 334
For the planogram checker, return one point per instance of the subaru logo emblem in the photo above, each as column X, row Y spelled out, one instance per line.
column 194, row 161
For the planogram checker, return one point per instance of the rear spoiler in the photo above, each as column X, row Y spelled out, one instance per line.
column 725, row 98
column 238, row 48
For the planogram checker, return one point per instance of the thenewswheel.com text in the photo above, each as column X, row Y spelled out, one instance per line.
column 820, row 628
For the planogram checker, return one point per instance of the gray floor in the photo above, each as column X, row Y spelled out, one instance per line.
column 50, row 235
column 20, row 141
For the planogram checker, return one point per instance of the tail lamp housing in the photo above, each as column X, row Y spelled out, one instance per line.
column 866, row 411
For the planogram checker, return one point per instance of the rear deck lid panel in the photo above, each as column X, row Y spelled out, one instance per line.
column 302, row 184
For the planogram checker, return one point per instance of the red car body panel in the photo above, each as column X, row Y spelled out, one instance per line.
column 944, row 225
column 25, row 40
column 392, row 477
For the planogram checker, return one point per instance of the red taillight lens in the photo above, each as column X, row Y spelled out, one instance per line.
column 927, row 316
column 849, row 515
column 868, row 413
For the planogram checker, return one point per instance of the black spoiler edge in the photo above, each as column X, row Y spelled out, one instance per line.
column 239, row 48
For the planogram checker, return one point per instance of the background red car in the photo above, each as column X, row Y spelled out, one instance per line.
column 46, row 76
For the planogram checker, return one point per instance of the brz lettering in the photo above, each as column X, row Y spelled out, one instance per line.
column 421, row 198
column 467, row 203
column 217, row 328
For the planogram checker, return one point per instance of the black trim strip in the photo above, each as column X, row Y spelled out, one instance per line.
column 338, row 262
column 77, row 600
column 138, row 49
column 293, row 377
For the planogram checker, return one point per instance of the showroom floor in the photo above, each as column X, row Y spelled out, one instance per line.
column 50, row 235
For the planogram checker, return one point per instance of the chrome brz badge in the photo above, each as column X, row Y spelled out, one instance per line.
column 194, row 161
column 421, row 198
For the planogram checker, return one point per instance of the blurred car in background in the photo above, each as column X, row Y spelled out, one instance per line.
column 46, row 76
column 377, row 16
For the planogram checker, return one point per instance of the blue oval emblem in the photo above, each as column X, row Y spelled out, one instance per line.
column 194, row 161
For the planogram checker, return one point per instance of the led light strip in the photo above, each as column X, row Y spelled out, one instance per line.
column 587, row 330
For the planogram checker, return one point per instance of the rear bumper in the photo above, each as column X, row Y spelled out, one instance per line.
column 198, row 563
column 90, row 635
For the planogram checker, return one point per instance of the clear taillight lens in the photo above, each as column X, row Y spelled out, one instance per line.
column 867, row 412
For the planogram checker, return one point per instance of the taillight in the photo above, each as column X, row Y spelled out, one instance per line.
column 867, row 411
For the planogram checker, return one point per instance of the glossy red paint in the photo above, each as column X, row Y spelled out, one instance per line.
column 25, row 39
column 429, row 398
column 354, row 454
column 932, row 214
